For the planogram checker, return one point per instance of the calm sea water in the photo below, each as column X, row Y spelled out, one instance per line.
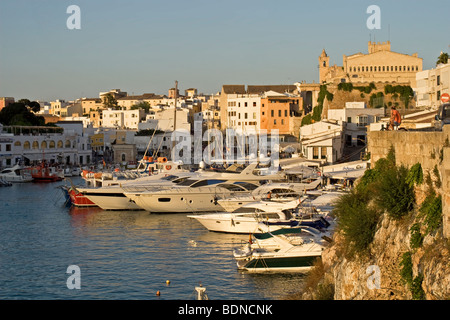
column 121, row 255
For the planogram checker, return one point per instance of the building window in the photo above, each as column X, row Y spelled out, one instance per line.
column 245, row 104
column 245, row 115
column 254, row 104
column 363, row 121
column 438, row 80
column 323, row 152
column 274, row 121
column 282, row 121
column 315, row 152
column 279, row 113
column 285, row 113
column 271, row 113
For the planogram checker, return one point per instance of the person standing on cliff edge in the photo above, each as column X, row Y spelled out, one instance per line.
column 395, row 120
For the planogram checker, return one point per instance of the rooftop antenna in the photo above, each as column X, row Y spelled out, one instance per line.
column 389, row 32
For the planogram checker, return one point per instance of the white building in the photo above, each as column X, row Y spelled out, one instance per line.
column 355, row 118
column 30, row 144
column 322, row 141
column 244, row 112
column 163, row 120
column 123, row 119
column 431, row 84
column 57, row 106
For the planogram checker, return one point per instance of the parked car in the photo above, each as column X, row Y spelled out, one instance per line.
column 442, row 117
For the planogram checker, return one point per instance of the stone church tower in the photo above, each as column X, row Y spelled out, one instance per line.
column 324, row 64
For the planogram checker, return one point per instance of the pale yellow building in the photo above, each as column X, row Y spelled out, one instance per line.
column 89, row 104
column 380, row 64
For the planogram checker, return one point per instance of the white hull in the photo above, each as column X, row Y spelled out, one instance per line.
column 112, row 197
column 16, row 179
column 108, row 202
column 231, row 223
column 177, row 202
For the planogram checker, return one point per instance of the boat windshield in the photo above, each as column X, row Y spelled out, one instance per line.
column 179, row 180
column 170, row 178
column 187, row 182
column 207, row 182
column 246, row 185
column 231, row 187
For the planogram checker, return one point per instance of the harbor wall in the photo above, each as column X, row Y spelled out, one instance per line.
column 430, row 148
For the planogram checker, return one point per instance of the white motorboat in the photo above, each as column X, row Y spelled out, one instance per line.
column 283, row 250
column 246, row 219
column 191, row 195
column 15, row 174
column 112, row 197
column 251, row 217
column 200, row 194
column 280, row 192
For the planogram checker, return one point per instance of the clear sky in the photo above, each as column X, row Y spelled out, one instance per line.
column 144, row 46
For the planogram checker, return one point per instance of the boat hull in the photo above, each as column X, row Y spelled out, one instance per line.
column 278, row 264
column 112, row 201
column 229, row 223
column 176, row 203
column 79, row 200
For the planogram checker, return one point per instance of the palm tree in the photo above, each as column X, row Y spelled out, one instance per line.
column 443, row 58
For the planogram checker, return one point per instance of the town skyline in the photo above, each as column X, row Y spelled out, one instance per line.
column 143, row 47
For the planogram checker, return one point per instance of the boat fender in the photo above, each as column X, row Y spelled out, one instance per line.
column 168, row 167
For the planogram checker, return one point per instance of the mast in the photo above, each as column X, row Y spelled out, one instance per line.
column 174, row 142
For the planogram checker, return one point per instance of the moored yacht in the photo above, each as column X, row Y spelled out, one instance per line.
column 15, row 174
column 112, row 197
column 199, row 194
column 283, row 250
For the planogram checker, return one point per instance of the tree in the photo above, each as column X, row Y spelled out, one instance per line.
column 35, row 106
column 18, row 114
column 443, row 58
column 141, row 105
column 110, row 102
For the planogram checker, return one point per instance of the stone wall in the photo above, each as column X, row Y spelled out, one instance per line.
column 430, row 148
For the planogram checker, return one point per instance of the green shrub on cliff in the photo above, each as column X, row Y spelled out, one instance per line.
column 357, row 220
column 406, row 271
column 385, row 188
column 431, row 208
column 395, row 195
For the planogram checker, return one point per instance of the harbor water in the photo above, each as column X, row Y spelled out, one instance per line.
column 121, row 255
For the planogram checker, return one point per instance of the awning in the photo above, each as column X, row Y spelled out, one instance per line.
column 39, row 156
column 345, row 174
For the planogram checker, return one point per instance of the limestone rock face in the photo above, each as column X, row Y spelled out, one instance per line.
column 377, row 276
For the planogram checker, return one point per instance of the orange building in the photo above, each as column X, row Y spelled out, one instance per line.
column 276, row 112
column 5, row 101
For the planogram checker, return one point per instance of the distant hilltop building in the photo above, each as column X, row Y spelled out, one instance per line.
column 379, row 65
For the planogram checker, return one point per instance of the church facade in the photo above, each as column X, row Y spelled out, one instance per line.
column 380, row 64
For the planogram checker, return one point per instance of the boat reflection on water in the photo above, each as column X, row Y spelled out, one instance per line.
column 73, row 210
